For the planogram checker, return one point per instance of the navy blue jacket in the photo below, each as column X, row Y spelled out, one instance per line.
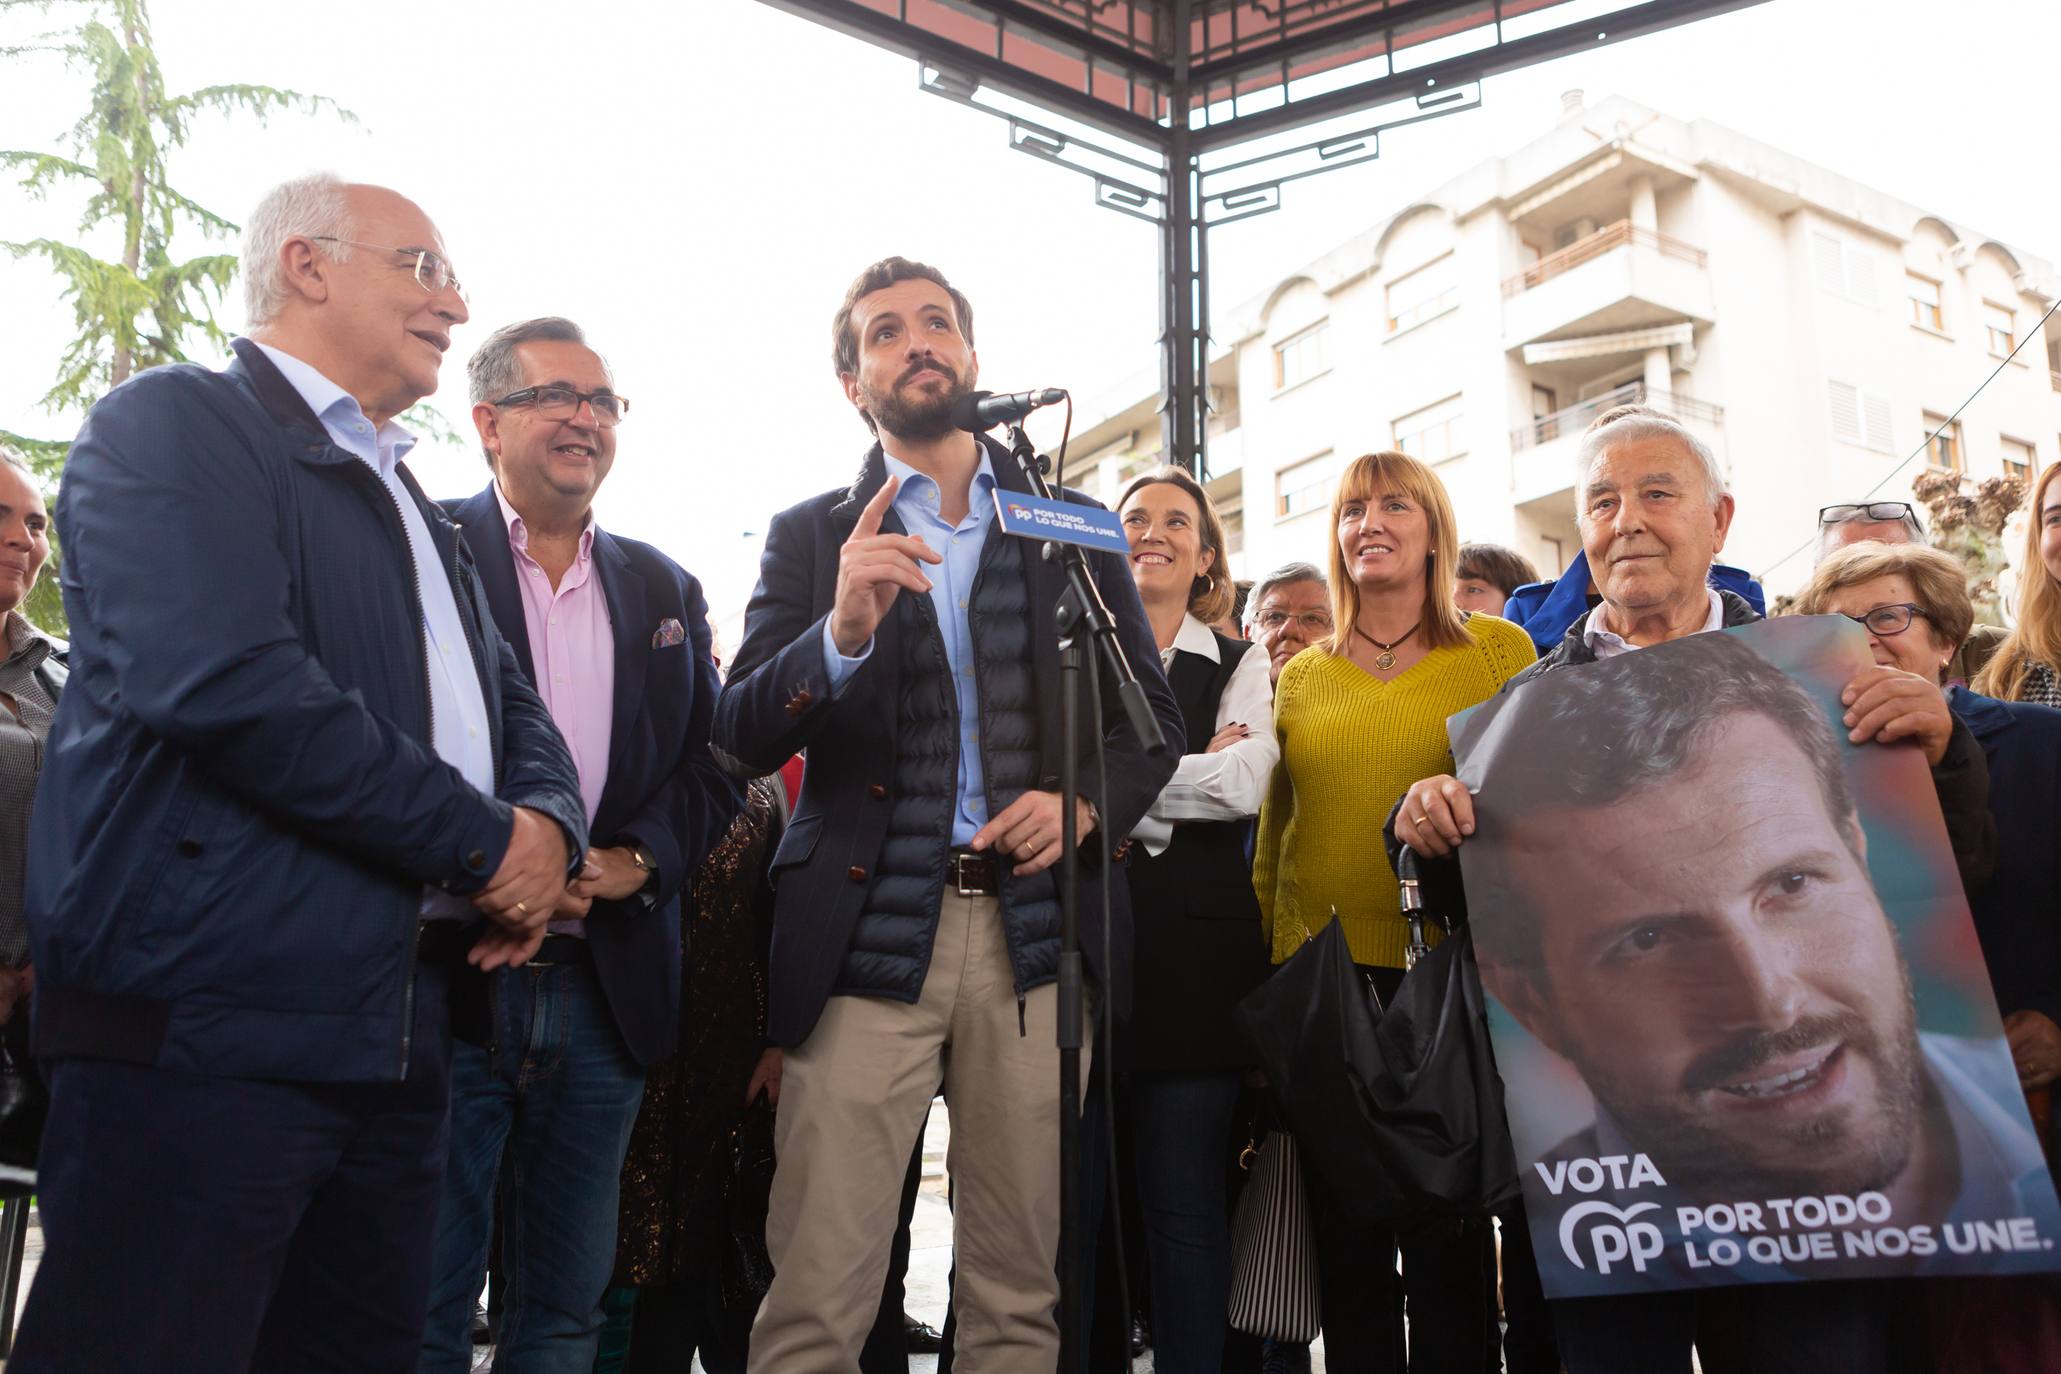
column 778, row 702
column 663, row 791
column 240, row 805
column 2018, row 911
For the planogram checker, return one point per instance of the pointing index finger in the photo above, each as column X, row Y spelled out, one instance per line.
column 876, row 509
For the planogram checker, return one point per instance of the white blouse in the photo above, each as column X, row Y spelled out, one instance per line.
column 1230, row 784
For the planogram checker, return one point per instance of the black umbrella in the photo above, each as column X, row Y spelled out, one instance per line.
column 1399, row 1111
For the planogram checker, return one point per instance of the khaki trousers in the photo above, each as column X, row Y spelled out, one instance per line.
column 853, row 1098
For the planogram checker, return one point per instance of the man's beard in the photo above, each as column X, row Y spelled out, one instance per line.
column 922, row 415
column 1849, row 1150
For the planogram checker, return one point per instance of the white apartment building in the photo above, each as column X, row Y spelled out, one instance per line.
column 1813, row 330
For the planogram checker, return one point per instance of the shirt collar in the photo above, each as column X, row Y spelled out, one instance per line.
column 922, row 488
column 25, row 643
column 332, row 405
column 1194, row 637
column 1605, row 643
column 519, row 532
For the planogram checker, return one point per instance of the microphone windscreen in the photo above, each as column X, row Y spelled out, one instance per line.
column 966, row 411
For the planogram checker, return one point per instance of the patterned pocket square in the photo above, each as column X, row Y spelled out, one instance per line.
column 668, row 634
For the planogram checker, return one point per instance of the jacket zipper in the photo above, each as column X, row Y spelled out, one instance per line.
column 393, row 504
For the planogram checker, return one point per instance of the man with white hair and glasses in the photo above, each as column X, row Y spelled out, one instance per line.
column 295, row 783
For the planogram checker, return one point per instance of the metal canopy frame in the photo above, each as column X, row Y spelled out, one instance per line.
column 1195, row 98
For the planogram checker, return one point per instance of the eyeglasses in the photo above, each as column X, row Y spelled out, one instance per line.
column 432, row 269
column 559, row 402
column 1312, row 622
column 1889, row 620
column 1871, row 511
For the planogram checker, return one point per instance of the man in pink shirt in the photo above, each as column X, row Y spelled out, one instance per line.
column 615, row 636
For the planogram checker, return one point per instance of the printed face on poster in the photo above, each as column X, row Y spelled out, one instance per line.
column 1742, row 1021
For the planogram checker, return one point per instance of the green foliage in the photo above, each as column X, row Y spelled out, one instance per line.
column 145, row 306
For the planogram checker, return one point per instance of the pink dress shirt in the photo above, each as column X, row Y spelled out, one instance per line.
column 572, row 646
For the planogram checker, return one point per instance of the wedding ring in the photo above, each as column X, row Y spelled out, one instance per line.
column 523, row 909
column 1420, row 819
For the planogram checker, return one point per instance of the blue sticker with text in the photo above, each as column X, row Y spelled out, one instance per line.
column 1034, row 517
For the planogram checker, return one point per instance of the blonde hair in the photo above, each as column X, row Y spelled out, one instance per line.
column 2037, row 637
column 1937, row 580
column 1379, row 474
column 1214, row 591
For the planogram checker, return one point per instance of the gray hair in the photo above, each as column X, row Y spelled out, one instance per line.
column 1281, row 577
column 1622, row 423
column 316, row 205
column 495, row 370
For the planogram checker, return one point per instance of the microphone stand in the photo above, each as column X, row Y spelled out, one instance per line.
column 1083, row 621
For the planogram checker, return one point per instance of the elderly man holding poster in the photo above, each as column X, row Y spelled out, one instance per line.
column 1654, row 514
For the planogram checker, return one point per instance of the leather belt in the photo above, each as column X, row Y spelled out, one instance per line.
column 560, row 949
column 971, row 874
column 443, row 942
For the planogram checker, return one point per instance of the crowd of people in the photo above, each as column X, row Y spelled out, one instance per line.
column 397, row 890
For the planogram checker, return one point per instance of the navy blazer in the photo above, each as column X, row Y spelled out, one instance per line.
column 663, row 791
column 778, row 702
column 2018, row 911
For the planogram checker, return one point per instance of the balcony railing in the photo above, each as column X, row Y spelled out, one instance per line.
column 1595, row 246
column 1574, row 419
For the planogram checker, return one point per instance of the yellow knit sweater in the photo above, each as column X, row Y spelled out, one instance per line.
column 1350, row 745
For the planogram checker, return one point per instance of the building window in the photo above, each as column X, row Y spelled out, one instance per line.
column 1925, row 311
column 1300, row 357
column 1943, row 444
column 2002, row 325
column 1431, row 435
column 1544, row 402
column 1305, row 486
column 2019, row 459
column 1418, row 295
column 1844, row 269
column 1858, row 417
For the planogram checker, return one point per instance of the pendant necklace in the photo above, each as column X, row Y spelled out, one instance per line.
column 1386, row 658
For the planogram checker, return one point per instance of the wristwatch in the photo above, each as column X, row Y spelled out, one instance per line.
column 646, row 861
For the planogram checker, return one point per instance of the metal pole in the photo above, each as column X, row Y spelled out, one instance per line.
column 1181, row 422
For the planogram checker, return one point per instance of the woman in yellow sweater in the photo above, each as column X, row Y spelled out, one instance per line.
column 1361, row 717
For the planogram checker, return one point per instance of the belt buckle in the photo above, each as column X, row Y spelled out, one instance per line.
column 959, row 863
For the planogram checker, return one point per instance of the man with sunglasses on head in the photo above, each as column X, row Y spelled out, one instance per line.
column 615, row 635
column 1895, row 522
column 296, row 783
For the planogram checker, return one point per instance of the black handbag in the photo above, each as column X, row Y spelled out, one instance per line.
column 1398, row 1111
column 746, row 1269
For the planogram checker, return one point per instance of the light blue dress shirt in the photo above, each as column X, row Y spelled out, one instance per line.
column 951, row 589
column 457, row 705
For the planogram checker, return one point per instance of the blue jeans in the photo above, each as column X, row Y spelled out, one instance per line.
column 1181, row 1125
column 560, row 1092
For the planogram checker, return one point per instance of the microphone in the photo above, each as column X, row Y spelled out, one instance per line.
column 980, row 411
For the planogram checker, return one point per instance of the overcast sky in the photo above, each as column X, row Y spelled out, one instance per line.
column 695, row 183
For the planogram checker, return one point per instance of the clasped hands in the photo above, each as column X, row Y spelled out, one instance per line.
column 529, row 891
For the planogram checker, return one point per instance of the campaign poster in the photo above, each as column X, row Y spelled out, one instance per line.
column 1742, row 1021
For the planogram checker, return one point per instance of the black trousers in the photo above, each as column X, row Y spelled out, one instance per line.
column 205, row 1224
column 1850, row 1327
column 676, row 1322
column 1441, row 1289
